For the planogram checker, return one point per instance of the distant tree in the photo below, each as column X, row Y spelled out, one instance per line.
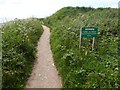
column 100, row 8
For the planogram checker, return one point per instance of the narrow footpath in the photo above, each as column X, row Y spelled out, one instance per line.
column 44, row 74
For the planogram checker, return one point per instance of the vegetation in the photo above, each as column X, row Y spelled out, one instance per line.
column 85, row 68
column 19, row 41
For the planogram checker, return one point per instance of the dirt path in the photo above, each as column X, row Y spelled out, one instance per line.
column 44, row 74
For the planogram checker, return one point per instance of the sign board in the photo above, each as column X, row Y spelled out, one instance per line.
column 89, row 32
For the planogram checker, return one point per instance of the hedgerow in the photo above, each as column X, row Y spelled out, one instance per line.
column 84, row 68
column 19, row 41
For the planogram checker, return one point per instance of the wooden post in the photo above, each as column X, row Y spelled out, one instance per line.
column 80, row 44
column 93, row 43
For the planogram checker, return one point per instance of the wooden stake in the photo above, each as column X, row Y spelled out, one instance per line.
column 80, row 44
column 93, row 43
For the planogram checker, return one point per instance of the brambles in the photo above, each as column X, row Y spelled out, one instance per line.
column 85, row 68
column 19, row 41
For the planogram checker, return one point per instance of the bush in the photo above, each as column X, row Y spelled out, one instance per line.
column 19, row 41
column 85, row 68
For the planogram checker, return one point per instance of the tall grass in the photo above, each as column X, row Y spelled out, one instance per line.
column 85, row 68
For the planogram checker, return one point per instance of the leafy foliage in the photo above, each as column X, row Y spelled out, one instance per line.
column 85, row 68
column 19, row 39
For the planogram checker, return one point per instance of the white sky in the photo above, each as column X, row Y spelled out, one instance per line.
column 10, row 9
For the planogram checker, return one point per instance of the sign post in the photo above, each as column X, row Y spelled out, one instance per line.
column 93, row 43
column 88, row 32
column 80, row 39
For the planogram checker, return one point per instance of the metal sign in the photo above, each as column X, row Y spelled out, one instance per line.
column 88, row 32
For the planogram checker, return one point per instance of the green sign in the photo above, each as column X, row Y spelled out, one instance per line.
column 89, row 32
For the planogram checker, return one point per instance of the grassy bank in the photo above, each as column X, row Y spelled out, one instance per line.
column 19, row 41
column 85, row 68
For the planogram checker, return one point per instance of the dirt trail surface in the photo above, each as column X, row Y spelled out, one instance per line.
column 44, row 74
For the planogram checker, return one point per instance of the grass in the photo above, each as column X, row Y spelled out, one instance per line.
column 19, row 41
column 85, row 68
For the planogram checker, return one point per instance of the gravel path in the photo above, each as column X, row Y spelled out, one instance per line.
column 44, row 74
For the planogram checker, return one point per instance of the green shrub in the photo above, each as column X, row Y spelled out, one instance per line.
column 85, row 68
column 19, row 41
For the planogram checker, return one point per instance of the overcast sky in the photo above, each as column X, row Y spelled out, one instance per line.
column 10, row 9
